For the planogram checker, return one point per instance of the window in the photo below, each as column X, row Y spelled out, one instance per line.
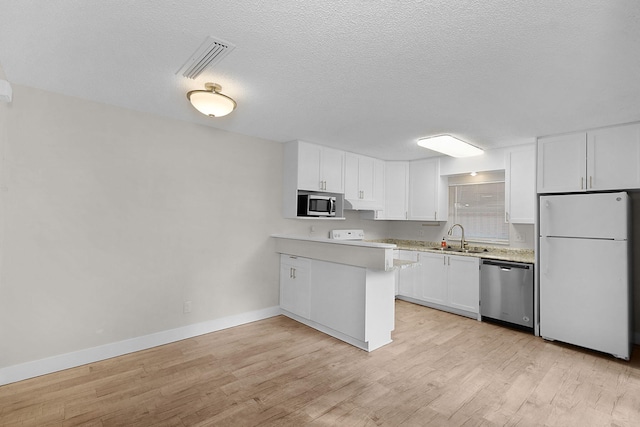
column 477, row 203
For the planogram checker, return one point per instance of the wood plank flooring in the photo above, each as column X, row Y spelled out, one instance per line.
column 441, row 370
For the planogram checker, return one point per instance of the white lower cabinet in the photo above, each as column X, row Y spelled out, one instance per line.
column 463, row 279
column 408, row 278
column 346, row 313
column 433, row 278
column 354, row 304
column 295, row 285
column 443, row 281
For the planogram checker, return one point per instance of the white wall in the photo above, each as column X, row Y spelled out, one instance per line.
column 113, row 218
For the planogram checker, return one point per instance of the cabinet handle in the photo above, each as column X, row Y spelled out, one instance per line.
column 290, row 273
column 448, row 260
column 590, row 181
column 435, row 214
column 294, row 272
column 444, row 260
column 506, row 217
column 582, row 183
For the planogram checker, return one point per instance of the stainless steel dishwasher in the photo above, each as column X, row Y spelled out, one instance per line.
column 506, row 292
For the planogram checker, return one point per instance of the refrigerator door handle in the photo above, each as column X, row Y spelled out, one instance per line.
column 545, row 262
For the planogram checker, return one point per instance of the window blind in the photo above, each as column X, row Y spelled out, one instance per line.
column 479, row 207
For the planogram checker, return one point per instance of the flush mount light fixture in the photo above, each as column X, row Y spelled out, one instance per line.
column 210, row 101
column 447, row 144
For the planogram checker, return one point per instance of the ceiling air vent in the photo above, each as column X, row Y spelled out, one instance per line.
column 210, row 52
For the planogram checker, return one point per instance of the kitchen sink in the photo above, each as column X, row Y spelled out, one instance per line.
column 464, row 251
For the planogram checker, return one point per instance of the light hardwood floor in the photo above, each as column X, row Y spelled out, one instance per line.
column 441, row 370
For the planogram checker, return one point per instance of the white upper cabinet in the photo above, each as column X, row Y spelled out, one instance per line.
column 364, row 182
column 320, row 168
column 310, row 168
column 396, row 190
column 601, row 159
column 562, row 163
column 613, row 158
column 426, row 192
column 520, row 177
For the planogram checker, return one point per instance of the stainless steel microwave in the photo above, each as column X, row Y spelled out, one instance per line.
column 316, row 205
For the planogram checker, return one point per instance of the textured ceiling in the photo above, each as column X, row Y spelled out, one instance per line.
column 366, row 76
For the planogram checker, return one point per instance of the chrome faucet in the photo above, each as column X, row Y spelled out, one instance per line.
column 462, row 242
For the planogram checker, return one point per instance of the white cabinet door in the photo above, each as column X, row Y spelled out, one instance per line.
column 295, row 285
column 424, row 176
column 379, row 171
column 463, row 278
column 433, row 278
column 320, row 168
column 409, row 278
column 366, row 178
column 395, row 192
column 613, row 158
column 309, row 159
column 364, row 182
column 346, row 313
column 521, row 185
column 561, row 163
column 351, row 171
column 332, row 170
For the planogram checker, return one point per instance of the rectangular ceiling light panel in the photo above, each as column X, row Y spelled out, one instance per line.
column 210, row 52
column 449, row 145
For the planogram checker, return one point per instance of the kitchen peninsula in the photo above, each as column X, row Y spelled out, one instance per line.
column 343, row 288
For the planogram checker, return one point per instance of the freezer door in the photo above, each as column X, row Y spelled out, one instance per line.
column 598, row 216
column 584, row 293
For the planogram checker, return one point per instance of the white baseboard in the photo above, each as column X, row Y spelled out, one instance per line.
column 36, row 368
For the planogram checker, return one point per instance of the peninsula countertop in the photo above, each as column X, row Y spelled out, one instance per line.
column 367, row 254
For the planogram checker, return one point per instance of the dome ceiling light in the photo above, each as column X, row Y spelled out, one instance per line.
column 210, row 101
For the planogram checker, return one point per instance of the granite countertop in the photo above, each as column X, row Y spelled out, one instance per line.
column 504, row 254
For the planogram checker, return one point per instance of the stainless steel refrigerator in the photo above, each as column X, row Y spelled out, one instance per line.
column 584, row 271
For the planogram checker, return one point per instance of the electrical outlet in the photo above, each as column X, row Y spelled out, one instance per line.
column 186, row 307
